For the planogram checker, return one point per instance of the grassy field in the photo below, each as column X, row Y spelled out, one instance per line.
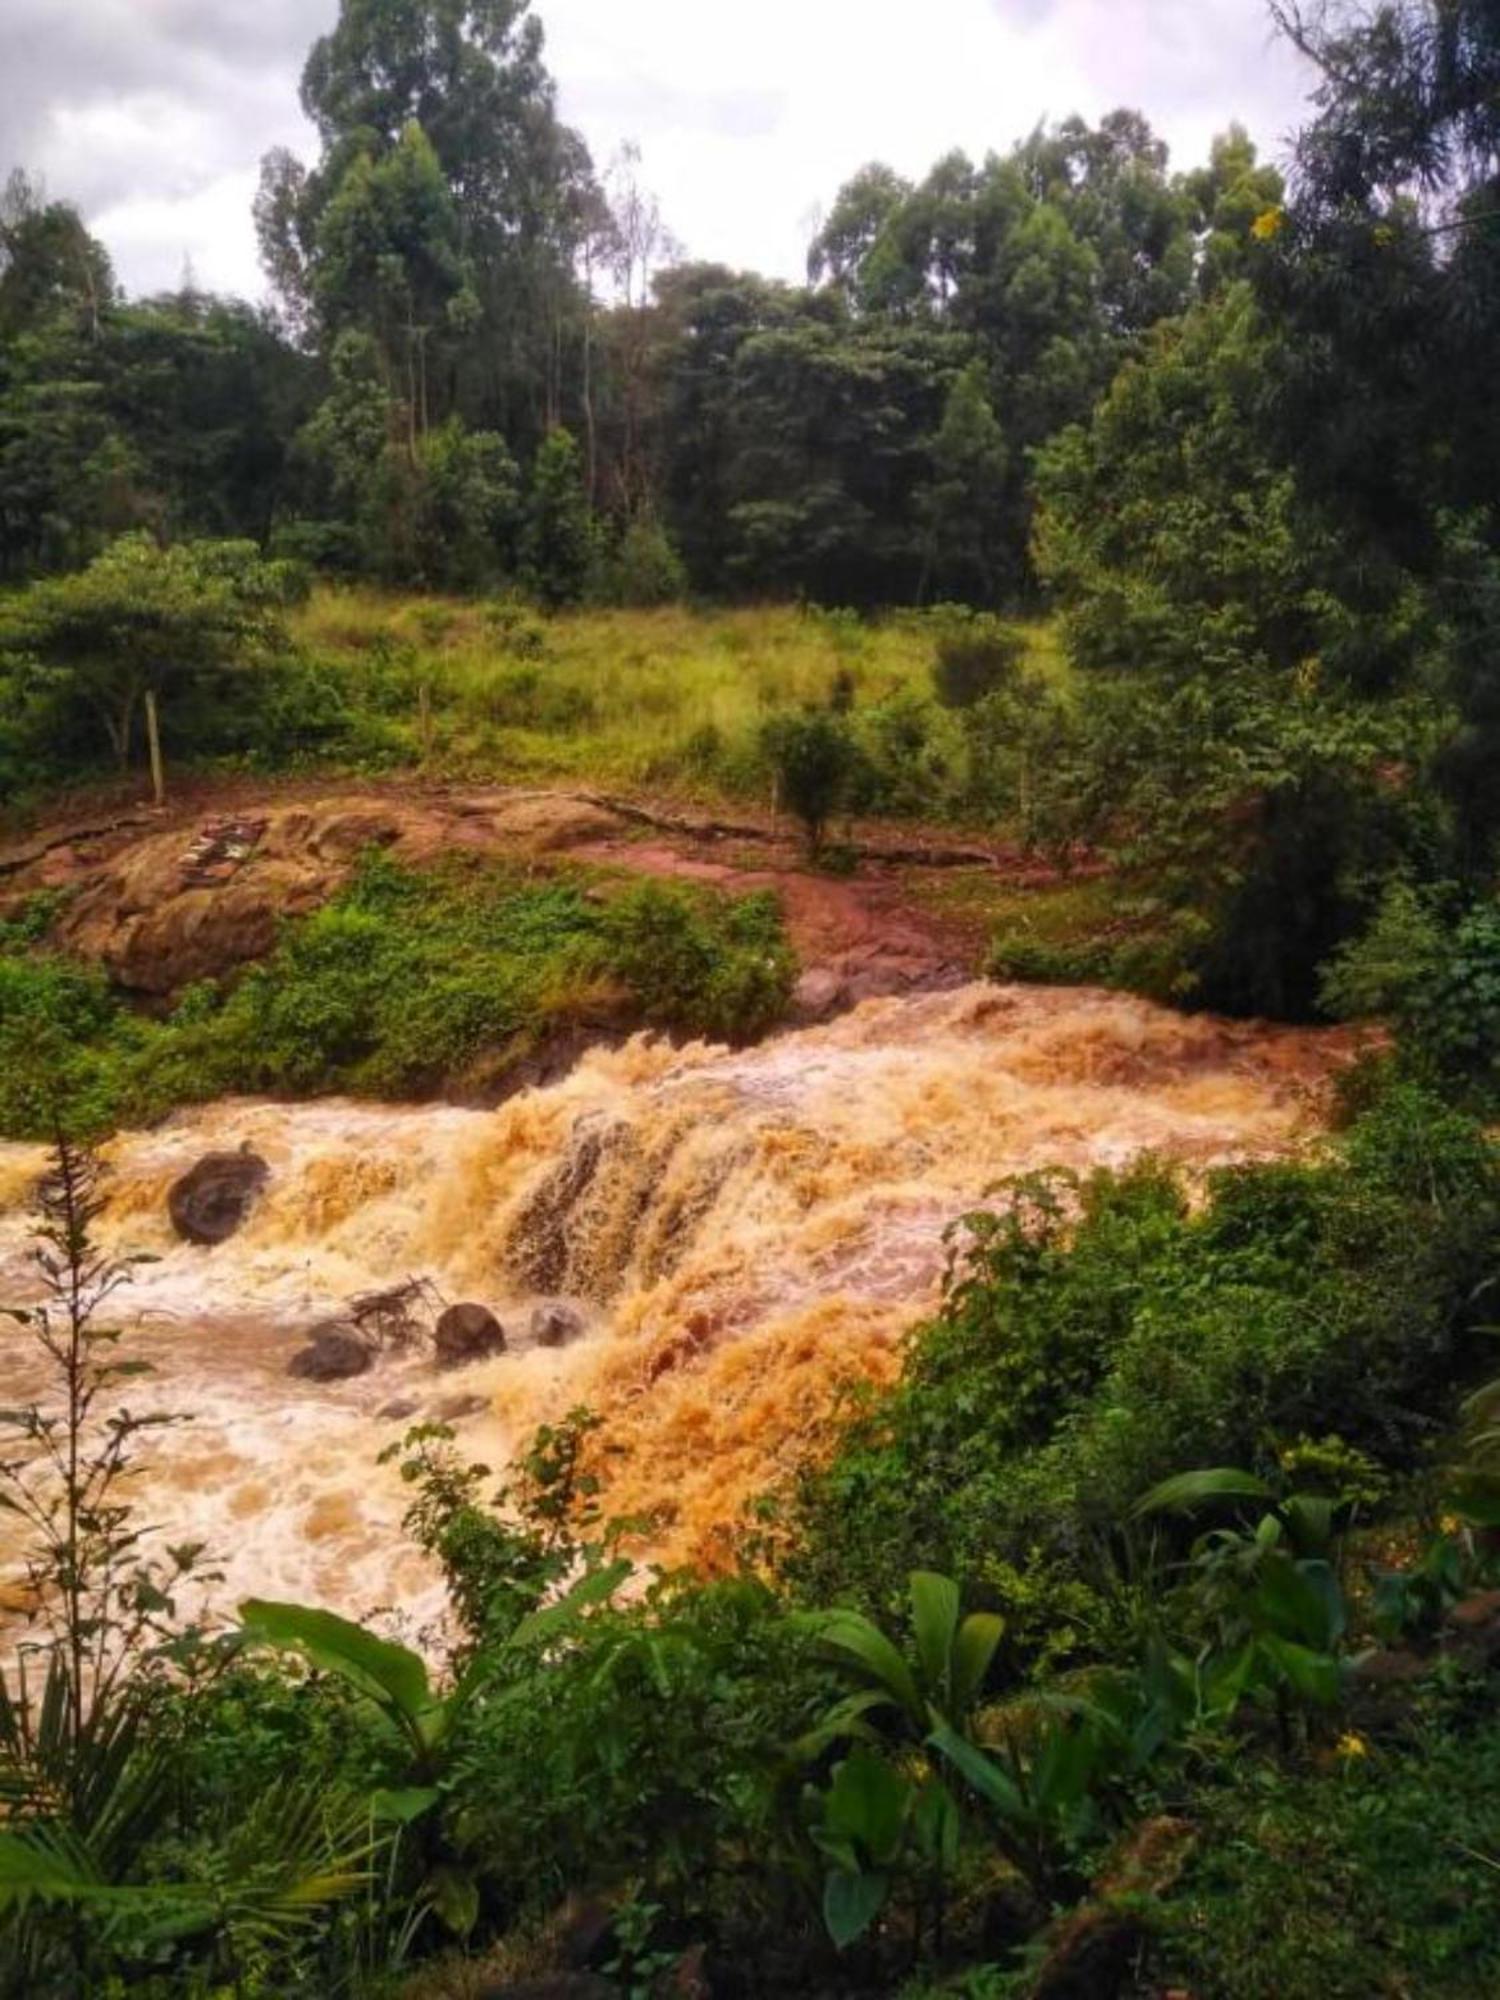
column 671, row 699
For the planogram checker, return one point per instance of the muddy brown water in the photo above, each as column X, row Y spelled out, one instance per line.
column 742, row 1230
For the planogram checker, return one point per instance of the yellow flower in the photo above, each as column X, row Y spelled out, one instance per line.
column 1269, row 223
column 1450, row 1524
column 1351, row 1745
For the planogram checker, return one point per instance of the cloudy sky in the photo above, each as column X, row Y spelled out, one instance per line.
column 153, row 114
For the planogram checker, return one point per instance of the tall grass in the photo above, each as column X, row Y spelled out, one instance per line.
column 673, row 698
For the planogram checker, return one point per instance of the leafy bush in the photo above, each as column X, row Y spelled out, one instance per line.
column 815, row 759
column 721, row 969
column 977, row 656
column 1437, row 978
column 645, row 569
column 1090, row 1328
column 399, row 986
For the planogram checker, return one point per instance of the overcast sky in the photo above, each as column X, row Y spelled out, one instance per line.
column 153, row 114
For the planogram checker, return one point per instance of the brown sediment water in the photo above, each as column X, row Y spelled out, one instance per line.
column 742, row 1231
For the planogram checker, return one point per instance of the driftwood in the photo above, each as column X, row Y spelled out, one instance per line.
column 397, row 1316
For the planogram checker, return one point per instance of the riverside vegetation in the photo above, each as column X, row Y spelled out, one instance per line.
column 1144, row 1637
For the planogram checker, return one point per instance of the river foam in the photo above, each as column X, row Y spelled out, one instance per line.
column 742, row 1232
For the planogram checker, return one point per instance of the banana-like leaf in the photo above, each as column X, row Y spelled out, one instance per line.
column 852, row 1902
column 863, row 1645
column 1187, row 1491
column 1301, row 1602
column 1312, row 1676
column 867, row 1804
column 390, row 1674
column 934, row 1622
column 401, row 1805
column 973, row 1651
column 595, row 1588
column 995, row 1786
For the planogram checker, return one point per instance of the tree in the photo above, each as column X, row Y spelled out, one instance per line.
column 964, row 503
column 814, row 757
column 1245, row 718
column 559, row 545
column 444, row 213
column 142, row 621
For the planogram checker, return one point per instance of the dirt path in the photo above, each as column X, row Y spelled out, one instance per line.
column 198, row 889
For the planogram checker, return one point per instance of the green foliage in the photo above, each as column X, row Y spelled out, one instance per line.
column 1088, row 1329
column 645, row 569
column 402, row 985
column 202, row 621
column 716, row 968
column 1437, row 978
column 560, row 546
column 815, row 760
column 1339, row 1883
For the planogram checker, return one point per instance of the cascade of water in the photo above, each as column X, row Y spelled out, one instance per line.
column 739, row 1230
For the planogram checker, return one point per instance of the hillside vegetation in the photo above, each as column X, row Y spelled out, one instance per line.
column 1138, row 524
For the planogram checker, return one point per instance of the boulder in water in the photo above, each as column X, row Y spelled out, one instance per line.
column 212, row 1199
column 467, row 1333
column 453, row 1409
column 399, row 1411
column 556, row 1324
column 334, row 1354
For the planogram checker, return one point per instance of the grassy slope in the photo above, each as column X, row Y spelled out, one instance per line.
column 672, row 697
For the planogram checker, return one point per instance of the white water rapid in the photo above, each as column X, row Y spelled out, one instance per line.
column 742, row 1230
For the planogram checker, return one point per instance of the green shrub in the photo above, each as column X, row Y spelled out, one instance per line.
column 1376, row 1876
column 401, row 985
column 645, row 569
column 1437, row 978
column 814, row 758
column 977, row 656
column 720, row 969
column 1094, row 1333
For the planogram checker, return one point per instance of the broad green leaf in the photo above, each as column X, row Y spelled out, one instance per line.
column 402, row 1806
column 851, row 1903
column 978, row 1637
column 1301, row 1601
column 1313, row 1677
column 868, row 1802
column 996, row 1787
column 389, row 1673
column 935, row 1825
column 865, row 1646
column 934, row 1621
column 1187, row 1491
column 595, row 1588
column 454, row 1896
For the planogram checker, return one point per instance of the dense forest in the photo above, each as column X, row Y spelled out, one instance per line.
column 1113, row 543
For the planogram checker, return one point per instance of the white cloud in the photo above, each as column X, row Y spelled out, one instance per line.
column 154, row 113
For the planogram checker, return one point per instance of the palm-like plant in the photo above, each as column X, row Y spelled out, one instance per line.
column 83, row 1817
column 887, row 1809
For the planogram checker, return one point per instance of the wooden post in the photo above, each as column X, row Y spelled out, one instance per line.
column 153, row 739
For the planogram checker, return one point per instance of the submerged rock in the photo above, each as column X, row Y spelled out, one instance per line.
column 212, row 1199
column 467, row 1333
column 556, row 1324
column 455, row 1408
column 334, row 1354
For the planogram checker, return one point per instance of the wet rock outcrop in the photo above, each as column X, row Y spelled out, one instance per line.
column 466, row 1333
column 334, row 1354
column 213, row 1198
column 556, row 1324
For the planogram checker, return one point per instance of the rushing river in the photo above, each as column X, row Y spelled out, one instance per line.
column 742, row 1231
